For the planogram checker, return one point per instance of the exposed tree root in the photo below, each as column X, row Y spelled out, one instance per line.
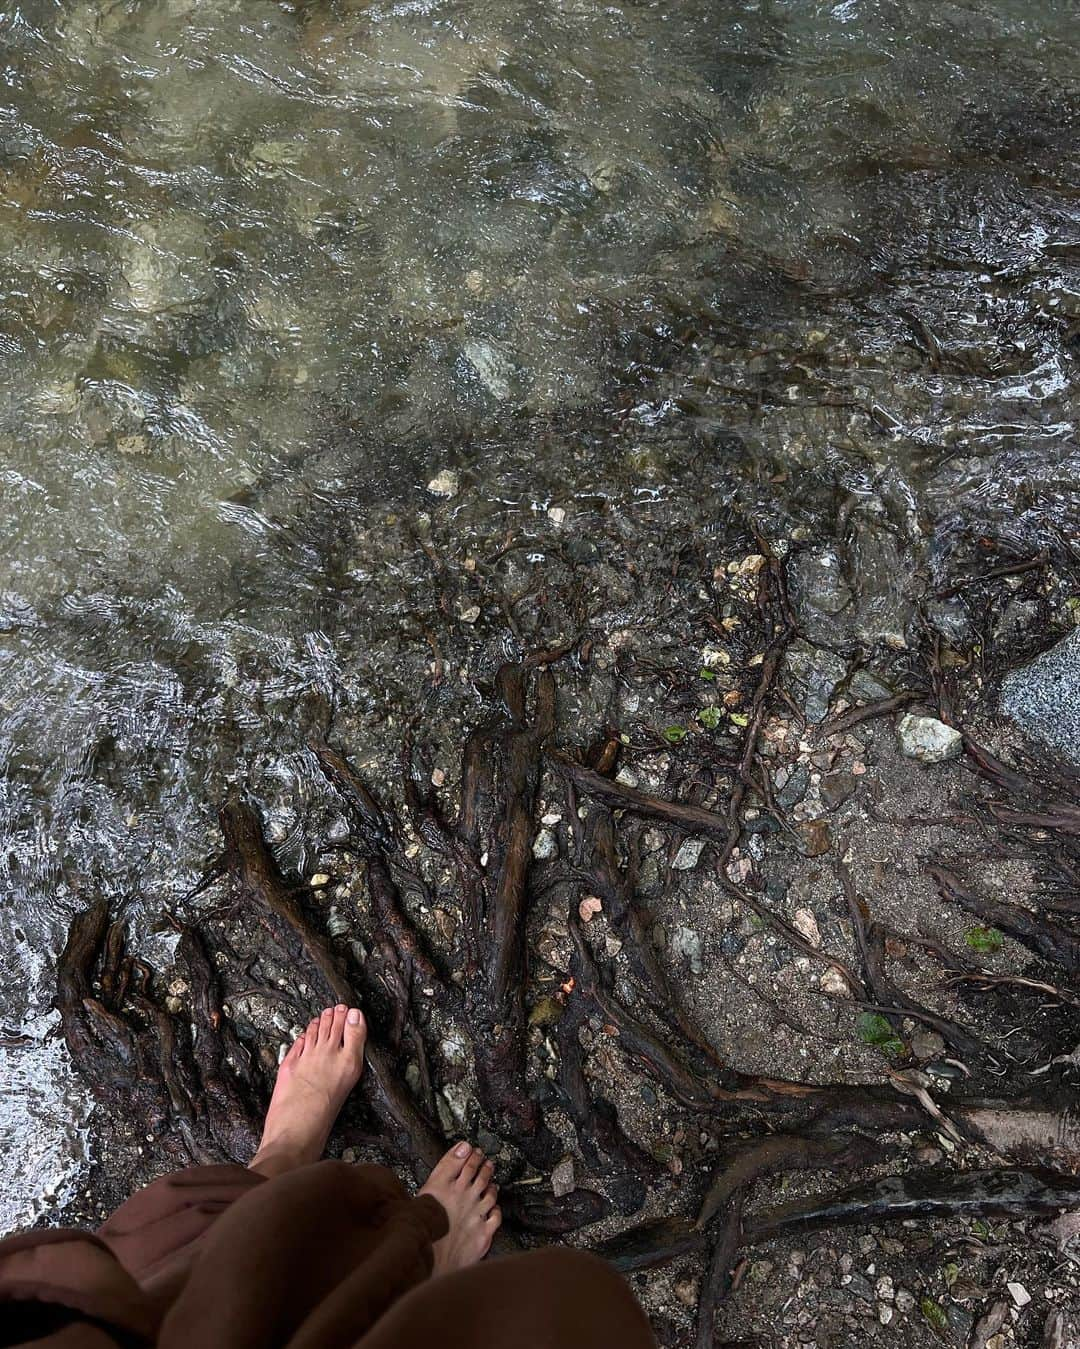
column 202, row 1092
column 1042, row 935
column 257, row 878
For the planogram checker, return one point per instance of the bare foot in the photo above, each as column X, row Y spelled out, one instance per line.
column 462, row 1184
column 313, row 1081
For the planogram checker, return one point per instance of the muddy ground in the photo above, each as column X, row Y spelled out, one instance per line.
column 655, row 595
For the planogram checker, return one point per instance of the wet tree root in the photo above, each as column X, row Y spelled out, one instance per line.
column 195, row 1082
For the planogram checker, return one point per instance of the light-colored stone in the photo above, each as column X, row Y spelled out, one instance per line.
column 545, row 845
column 1019, row 1294
column 928, row 740
column 686, row 859
column 834, row 983
column 806, row 925
column 445, row 484
column 1043, row 698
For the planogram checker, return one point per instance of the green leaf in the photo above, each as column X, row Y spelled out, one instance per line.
column 951, row 1273
column 986, row 940
column 934, row 1313
column 740, row 719
column 706, row 673
column 873, row 1029
column 980, row 1229
column 674, row 735
column 709, row 717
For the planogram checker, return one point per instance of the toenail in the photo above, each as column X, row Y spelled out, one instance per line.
column 462, row 1150
column 354, row 1017
column 340, row 1007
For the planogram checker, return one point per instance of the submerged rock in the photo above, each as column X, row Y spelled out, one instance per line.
column 817, row 673
column 1043, row 698
column 444, row 484
column 927, row 739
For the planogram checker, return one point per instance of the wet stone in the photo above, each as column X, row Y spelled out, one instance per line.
column 1043, row 698
column 867, row 687
column 444, row 484
column 884, row 609
column 545, row 845
column 821, row 586
column 817, row 674
column 950, row 618
column 794, row 789
column 689, row 853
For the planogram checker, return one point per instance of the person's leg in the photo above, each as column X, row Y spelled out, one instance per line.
column 314, row 1078
column 543, row 1300
column 154, row 1232
column 462, row 1183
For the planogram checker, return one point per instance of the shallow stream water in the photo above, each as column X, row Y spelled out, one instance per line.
column 268, row 268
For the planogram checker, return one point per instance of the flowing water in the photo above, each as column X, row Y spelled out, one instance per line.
column 266, row 268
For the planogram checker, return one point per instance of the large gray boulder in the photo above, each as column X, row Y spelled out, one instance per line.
column 1043, row 698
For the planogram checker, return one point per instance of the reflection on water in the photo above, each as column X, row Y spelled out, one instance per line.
column 265, row 266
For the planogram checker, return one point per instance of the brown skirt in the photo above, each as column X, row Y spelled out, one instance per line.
column 326, row 1257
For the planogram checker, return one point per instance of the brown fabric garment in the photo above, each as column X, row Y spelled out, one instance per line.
column 330, row 1256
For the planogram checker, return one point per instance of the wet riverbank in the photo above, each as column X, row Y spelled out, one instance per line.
column 632, row 275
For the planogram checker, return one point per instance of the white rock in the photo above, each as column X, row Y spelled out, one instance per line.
column 444, row 484
column 456, row 1098
column 686, row 859
column 495, row 369
column 1019, row 1294
column 556, row 515
column 927, row 739
column 832, row 981
column 805, row 924
column 545, row 845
